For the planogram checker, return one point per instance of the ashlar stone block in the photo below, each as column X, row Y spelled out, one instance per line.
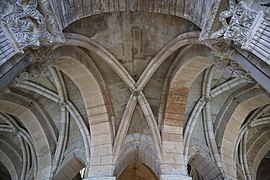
column 175, row 177
column 101, row 178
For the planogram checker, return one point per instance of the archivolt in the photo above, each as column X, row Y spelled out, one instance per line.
column 80, row 68
column 258, row 150
column 232, row 129
column 205, row 167
column 41, row 138
column 9, row 165
column 12, row 155
column 68, row 61
column 188, row 67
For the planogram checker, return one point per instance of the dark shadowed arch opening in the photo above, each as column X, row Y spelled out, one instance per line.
column 4, row 174
column 263, row 170
column 137, row 171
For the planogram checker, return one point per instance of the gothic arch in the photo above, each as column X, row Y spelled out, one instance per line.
column 232, row 128
column 100, row 125
column 9, row 165
column 37, row 132
column 11, row 158
column 261, row 153
column 138, row 148
column 126, row 84
column 205, row 166
column 189, row 67
column 257, row 151
column 137, row 170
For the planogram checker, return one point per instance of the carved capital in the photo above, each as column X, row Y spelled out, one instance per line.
column 235, row 26
column 30, row 27
column 233, row 70
column 229, row 68
column 34, row 70
column 41, row 59
column 236, row 23
column 43, row 54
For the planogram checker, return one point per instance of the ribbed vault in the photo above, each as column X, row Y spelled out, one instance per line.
column 134, row 90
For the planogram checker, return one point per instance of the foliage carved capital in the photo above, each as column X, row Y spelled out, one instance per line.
column 31, row 24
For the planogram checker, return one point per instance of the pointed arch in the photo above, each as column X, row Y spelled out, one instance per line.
column 205, row 166
column 260, row 155
column 189, row 67
column 9, row 165
column 10, row 157
column 260, row 146
column 137, row 170
column 232, row 129
column 39, row 135
column 138, row 148
column 76, row 64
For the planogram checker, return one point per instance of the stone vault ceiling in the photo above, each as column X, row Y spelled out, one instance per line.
column 134, row 89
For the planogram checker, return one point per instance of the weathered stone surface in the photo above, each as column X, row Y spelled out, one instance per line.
column 101, row 178
column 138, row 89
column 175, row 177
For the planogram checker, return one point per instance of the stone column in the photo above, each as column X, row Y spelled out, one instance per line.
column 101, row 178
column 175, row 177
